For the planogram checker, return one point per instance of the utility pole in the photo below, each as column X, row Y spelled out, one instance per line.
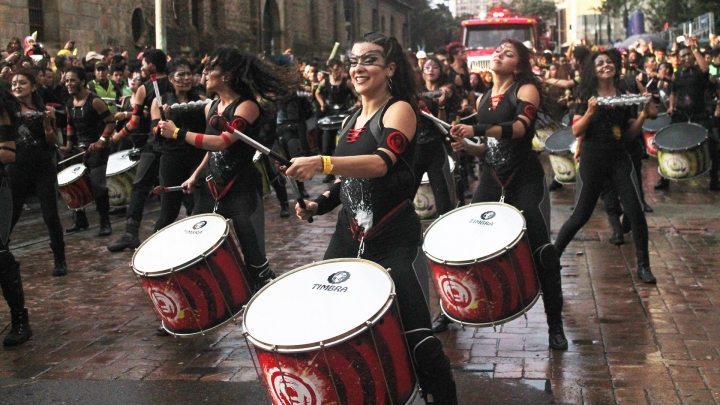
column 160, row 40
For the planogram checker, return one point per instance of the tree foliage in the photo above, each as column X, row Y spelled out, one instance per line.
column 540, row 8
column 432, row 27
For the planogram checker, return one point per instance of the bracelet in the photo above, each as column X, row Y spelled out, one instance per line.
column 102, row 139
column 327, row 164
column 642, row 114
column 175, row 133
column 441, row 107
column 181, row 133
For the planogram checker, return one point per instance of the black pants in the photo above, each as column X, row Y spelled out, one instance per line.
column 396, row 249
column 432, row 159
column 329, row 142
column 174, row 169
column 528, row 193
column 245, row 208
column 96, row 164
column 596, row 169
column 146, row 178
column 38, row 178
column 610, row 197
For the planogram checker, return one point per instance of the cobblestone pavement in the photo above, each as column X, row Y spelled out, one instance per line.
column 630, row 343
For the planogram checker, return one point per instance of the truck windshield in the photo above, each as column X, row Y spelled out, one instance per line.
column 489, row 36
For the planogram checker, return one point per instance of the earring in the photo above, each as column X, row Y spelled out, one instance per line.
column 390, row 84
column 224, row 79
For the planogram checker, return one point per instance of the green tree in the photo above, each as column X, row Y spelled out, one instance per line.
column 432, row 27
column 541, row 8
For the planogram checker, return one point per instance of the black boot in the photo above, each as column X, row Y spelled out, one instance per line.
column 103, row 208
column 662, row 184
column 20, row 332
column 130, row 240
column 556, row 337
column 617, row 230
column 441, row 323
column 547, row 258
column 643, row 271
column 264, row 278
column 105, row 227
column 284, row 210
column 80, row 222
column 60, row 264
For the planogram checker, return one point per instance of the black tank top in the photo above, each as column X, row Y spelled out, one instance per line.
column 192, row 120
column 369, row 200
column 237, row 159
column 31, row 144
column 86, row 121
column 505, row 155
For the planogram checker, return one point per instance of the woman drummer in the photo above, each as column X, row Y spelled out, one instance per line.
column 512, row 172
column 238, row 80
column 34, row 172
column 377, row 222
column 178, row 160
column 604, row 157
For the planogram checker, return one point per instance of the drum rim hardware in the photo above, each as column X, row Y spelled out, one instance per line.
column 336, row 340
column 71, row 167
column 126, row 152
column 490, row 256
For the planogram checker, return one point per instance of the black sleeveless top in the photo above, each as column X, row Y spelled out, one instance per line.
column 237, row 159
column 607, row 126
column 505, row 155
column 369, row 200
column 31, row 144
column 192, row 120
column 85, row 121
column 335, row 95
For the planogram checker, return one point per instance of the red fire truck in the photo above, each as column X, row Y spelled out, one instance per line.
column 482, row 36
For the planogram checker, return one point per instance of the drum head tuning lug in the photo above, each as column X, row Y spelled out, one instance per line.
column 389, row 269
column 393, row 295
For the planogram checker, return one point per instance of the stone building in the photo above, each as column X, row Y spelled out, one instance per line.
column 271, row 26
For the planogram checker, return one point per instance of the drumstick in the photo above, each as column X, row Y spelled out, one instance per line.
column 153, row 76
column 435, row 119
column 334, row 51
column 71, row 157
column 159, row 190
column 220, row 124
column 298, row 197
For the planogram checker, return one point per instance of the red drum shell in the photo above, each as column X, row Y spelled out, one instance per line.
column 650, row 143
column 77, row 194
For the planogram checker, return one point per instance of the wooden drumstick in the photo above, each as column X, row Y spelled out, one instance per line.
column 159, row 190
column 72, row 157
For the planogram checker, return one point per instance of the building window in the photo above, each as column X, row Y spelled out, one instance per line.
column 382, row 26
column 392, row 26
column 36, row 18
column 196, row 7
column 137, row 23
column 375, row 20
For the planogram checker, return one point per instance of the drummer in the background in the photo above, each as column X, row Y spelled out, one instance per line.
column 687, row 103
column 512, row 172
column 34, row 172
column 377, row 221
column 604, row 158
column 90, row 126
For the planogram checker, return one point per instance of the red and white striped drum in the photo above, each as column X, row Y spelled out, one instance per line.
column 74, row 186
column 650, row 127
column 330, row 333
column 194, row 273
column 481, row 264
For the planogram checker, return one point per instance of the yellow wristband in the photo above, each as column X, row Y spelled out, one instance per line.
column 175, row 133
column 642, row 114
column 327, row 164
column 102, row 139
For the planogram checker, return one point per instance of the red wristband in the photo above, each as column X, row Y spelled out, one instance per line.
column 199, row 140
column 106, row 133
column 576, row 120
column 226, row 138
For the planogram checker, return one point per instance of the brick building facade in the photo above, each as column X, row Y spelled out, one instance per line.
column 306, row 26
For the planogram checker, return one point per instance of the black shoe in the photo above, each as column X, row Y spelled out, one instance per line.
column 647, row 208
column 80, row 222
column 556, row 338
column 284, row 210
column 440, row 324
column 714, row 185
column 663, row 184
column 105, row 228
column 304, row 194
column 265, row 278
column 21, row 331
column 128, row 241
column 329, row 178
column 118, row 210
column 555, row 186
column 646, row 275
column 160, row 331
column 617, row 239
column 60, row 269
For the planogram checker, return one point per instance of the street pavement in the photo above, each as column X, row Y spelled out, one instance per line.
column 630, row 343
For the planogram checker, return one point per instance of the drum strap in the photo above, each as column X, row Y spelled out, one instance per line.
column 363, row 236
column 212, row 186
column 503, row 186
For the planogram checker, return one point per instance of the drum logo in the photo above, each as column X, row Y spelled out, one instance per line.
column 77, row 168
column 455, row 292
column 292, row 390
column 485, row 218
column 196, row 228
column 339, row 277
column 165, row 304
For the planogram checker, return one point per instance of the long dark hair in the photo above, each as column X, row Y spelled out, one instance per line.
column 9, row 105
column 251, row 78
column 404, row 84
column 173, row 66
column 588, row 79
column 443, row 78
column 35, row 96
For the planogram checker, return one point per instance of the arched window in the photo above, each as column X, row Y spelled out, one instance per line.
column 35, row 9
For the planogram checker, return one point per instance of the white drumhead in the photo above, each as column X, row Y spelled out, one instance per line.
column 474, row 232
column 71, row 174
column 318, row 303
column 118, row 163
column 179, row 243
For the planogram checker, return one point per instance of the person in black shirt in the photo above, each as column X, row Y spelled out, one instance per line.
column 604, row 157
column 687, row 103
column 512, row 172
column 377, row 222
column 89, row 127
